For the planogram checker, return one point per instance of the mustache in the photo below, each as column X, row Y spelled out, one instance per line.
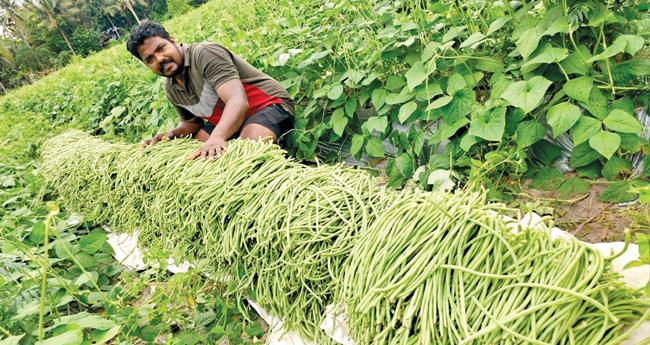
column 163, row 64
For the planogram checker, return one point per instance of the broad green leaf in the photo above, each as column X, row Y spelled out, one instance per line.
column 350, row 107
column 630, row 44
column 548, row 178
column 452, row 33
column 620, row 121
column 357, row 143
column 527, row 94
column 377, row 123
column 463, row 103
column 591, row 170
column 498, row 84
column 606, row 143
column 630, row 69
column 439, row 102
column 11, row 340
column 83, row 320
column 561, row 117
column 573, row 186
column 335, row 92
column 92, row 242
column 488, row 64
column 416, row 75
column 375, row 148
column 633, row 143
column 617, row 168
column 528, row 41
column 473, row 40
column 455, row 83
column 430, row 50
column 394, row 82
column 446, row 130
column 440, row 180
column 576, row 62
column 73, row 337
column 582, row 155
column 489, row 124
column 585, row 128
column 37, row 234
column 425, row 92
column 378, row 98
column 617, row 192
column 497, row 24
column 625, row 104
column 339, row 121
column 559, row 25
column 398, row 98
column 405, row 164
column 597, row 104
column 546, row 152
column 406, row 110
column 468, row 141
column 547, row 54
column 529, row 132
column 579, row 88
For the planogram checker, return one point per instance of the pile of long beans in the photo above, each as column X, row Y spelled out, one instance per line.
column 445, row 269
column 410, row 267
column 280, row 228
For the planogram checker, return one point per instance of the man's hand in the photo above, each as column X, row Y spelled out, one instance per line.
column 213, row 148
column 158, row 137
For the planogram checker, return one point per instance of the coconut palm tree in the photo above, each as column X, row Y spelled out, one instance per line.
column 52, row 11
column 113, row 7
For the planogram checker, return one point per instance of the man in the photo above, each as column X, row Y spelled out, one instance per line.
column 206, row 82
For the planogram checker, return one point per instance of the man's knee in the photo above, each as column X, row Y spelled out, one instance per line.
column 256, row 131
column 202, row 135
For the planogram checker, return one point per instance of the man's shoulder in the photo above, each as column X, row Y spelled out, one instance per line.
column 207, row 50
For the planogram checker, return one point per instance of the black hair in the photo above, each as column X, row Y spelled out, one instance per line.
column 143, row 31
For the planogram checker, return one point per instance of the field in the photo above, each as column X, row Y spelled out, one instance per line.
column 539, row 105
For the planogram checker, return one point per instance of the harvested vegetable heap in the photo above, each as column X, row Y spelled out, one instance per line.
column 410, row 267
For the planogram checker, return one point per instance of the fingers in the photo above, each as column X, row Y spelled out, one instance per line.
column 194, row 154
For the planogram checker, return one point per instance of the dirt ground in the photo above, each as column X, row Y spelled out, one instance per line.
column 584, row 215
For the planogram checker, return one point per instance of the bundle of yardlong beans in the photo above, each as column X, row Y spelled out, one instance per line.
column 287, row 226
column 412, row 267
column 445, row 269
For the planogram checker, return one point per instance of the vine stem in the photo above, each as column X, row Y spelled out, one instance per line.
column 609, row 70
column 6, row 332
column 41, row 308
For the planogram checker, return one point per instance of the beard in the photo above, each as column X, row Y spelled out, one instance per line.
column 173, row 73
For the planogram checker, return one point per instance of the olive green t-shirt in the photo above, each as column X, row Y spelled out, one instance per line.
column 206, row 67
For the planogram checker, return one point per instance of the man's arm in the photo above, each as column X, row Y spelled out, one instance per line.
column 187, row 127
column 232, row 93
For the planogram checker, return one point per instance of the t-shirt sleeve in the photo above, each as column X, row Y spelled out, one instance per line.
column 217, row 65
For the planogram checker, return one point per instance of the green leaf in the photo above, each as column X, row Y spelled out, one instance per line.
column 468, row 141
column 416, row 75
column 632, row 143
column 547, row 178
column 83, row 320
column 547, row 54
column 37, row 235
column 405, row 164
column 398, row 98
column 546, row 152
column 406, row 110
column 447, row 129
column 559, row 25
column 488, row 64
column 573, row 186
column 73, row 337
column 582, row 155
column 473, row 40
column 375, row 148
column 579, row 88
column 620, row 121
column 92, row 242
column 617, row 192
column 585, row 128
column 527, row 94
column 606, row 143
column 630, row 69
column 11, row 340
column 394, row 82
column 561, row 117
column 439, row 102
column 591, row 170
column 489, row 124
column 455, row 83
column 378, row 98
column 529, row 132
column 528, row 41
column 452, row 33
column 497, row 24
column 339, row 121
column 617, row 168
column 377, row 123
column 597, row 104
column 335, row 92
column 357, row 143
column 576, row 62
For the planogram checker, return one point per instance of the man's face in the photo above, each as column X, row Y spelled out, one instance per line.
column 162, row 56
